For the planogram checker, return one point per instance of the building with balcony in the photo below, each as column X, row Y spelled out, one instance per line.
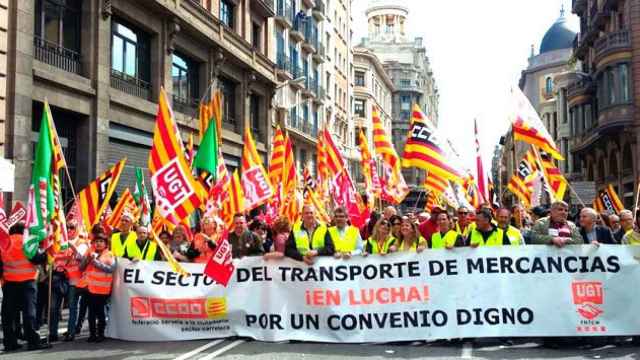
column 101, row 65
column 372, row 87
column 603, row 111
column 301, row 63
column 406, row 63
column 545, row 83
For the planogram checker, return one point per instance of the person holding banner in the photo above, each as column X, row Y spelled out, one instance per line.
column 464, row 223
column 592, row 233
column 346, row 238
column 511, row 233
column 309, row 238
column 98, row 267
column 244, row 242
column 280, row 234
column 381, row 242
column 446, row 237
column 632, row 237
column 119, row 240
column 555, row 229
column 206, row 241
column 486, row 233
column 142, row 248
column 410, row 238
column 626, row 225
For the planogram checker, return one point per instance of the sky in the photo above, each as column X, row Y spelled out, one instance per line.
column 477, row 50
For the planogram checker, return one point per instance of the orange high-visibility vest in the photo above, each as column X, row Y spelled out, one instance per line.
column 98, row 281
column 16, row 266
column 73, row 267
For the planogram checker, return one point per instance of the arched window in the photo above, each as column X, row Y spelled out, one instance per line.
column 627, row 158
column 548, row 87
column 613, row 163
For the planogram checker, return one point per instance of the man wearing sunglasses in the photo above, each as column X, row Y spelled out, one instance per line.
column 464, row 224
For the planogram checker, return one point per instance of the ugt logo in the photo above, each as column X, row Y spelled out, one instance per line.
column 586, row 296
column 171, row 185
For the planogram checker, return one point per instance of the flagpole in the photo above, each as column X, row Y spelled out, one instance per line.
column 635, row 208
column 50, row 271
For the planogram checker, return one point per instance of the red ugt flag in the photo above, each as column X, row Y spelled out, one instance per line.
column 220, row 268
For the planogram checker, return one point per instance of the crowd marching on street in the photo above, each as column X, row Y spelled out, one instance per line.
column 82, row 274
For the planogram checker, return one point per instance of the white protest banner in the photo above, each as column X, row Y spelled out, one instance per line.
column 460, row 293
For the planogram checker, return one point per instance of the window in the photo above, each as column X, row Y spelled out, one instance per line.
column 405, row 83
column 548, row 87
column 565, row 107
column 611, row 86
column 303, row 158
column 358, row 107
column 624, row 83
column 129, row 51
column 184, row 73
column 405, row 102
column 255, row 36
column 254, row 107
column 226, row 12
column 359, row 78
column 228, row 89
column 58, row 22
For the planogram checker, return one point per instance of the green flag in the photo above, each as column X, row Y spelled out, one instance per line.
column 207, row 157
column 142, row 198
column 41, row 189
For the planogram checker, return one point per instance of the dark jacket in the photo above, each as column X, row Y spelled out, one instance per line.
column 603, row 235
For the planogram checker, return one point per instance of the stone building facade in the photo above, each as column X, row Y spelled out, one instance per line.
column 605, row 96
column 301, row 60
column 101, row 65
column 372, row 87
column 406, row 62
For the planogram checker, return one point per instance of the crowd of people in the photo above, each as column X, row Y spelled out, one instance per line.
column 80, row 276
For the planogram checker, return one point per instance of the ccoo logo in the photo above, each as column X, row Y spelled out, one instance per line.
column 197, row 308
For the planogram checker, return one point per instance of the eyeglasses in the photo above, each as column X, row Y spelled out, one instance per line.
column 463, row 213
column 385, row 223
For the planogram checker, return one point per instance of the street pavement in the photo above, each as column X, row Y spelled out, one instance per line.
column 232, row 349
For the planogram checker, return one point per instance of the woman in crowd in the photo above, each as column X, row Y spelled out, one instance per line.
column 205, row 242
column 180, row 245
column 381, row 241
column 395, row 222
column 280, row 233
column 410, row 238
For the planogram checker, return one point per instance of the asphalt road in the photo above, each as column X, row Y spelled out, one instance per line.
column 247, row 349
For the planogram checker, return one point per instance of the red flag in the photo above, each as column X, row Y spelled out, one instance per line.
column 220, row 268
column 4, row 229
column 482, row 183
column 18, row 214
column 346, row 195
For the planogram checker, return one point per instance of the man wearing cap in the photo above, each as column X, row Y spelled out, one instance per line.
column 555, row 229
column 120, row 239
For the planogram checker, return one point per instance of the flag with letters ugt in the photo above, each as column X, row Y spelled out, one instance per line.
column 220, row 268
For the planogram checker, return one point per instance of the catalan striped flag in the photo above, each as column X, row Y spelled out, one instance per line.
column 333, row 158
column 211, row 109
column 177, row 193
column 520, row 183
column 290, row 204
column 234, row 202
column 94, row 198
column 607, row 199
column 433, row 200
column 255, row 180
column 276, row 164
column 528, row 127
column 321, row 160
column 435, row 183
column 555, row 180
column 367, row 168
column 382, row 142
column 126, row 203
column 424, row 151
